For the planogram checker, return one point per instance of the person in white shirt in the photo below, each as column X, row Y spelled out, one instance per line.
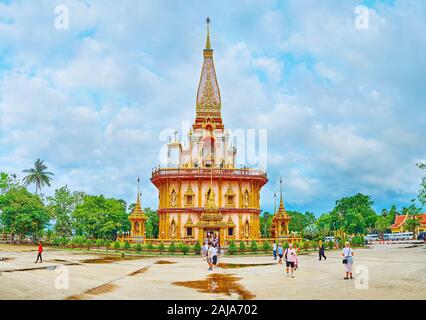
column 274, row 250
column 290, row 256
column 214, row 261
column 210, row 252
column 348, row 260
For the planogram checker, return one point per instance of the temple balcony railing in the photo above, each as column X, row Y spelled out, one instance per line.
column 207, row 172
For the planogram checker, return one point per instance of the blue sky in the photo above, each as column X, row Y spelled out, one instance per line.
column 344, row 108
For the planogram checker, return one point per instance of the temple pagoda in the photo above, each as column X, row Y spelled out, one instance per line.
column 280, row 221
column 201, row 191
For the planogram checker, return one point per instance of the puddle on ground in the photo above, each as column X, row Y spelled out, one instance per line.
column 242, row 265
column 218, row 283
column 143, row 270
column 165, row 262
column 413, row 246
column 40, row 268
column 6, row 259
column 102, row 289
column 108, row 259
column 95, row 291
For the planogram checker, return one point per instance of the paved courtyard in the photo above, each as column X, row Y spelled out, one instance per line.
column 389, row 271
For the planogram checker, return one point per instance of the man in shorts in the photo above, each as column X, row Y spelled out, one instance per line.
column 215, row 251
column 280, row 253
column 210, row 252
column 290, row 258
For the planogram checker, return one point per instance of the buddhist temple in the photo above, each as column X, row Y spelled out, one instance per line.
column 137, row 220
column 201, row 192
column 281, row 220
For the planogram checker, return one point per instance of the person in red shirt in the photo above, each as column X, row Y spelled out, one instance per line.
column 40, row 250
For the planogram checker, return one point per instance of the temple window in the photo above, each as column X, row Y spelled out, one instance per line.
column 230, row 197
column 230, row 232
column 189, row 232
column 189, row 200
column 230, row 200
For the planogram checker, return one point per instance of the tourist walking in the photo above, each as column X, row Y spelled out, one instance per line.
column 274, row 250
column 214, row 258
column 348, row 260
column 280, row 253
column 321, row 250
column 204, row 250
column 39, row 251
column 290, row 259
column 210, row 251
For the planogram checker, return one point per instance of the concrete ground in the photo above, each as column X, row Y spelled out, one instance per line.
column 396, row 271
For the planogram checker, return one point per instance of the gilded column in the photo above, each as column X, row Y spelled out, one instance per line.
column 240, row 225
column 240, row 195
column 179, row 225
column 252, row 196
column 166, row 226
column 180, row 193
column 220, row 192
column 200, row 204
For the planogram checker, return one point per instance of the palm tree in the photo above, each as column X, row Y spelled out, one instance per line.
column 38, row 175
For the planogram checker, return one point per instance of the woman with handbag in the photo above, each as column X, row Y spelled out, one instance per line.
column 348, row 260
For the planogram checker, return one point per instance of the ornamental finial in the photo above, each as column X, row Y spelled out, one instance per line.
column 208, row 46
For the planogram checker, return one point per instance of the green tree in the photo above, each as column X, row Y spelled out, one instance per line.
column 422, row 191
column 107, row 244
column 38, row 175
column 242, row 246
column 151, row 223
column 265, row 222
column 138, row 247
column 413, row 212
column 63, row 204
column 117, row 245
column 6, row 182
column 161, row 247
column 127, row 246
column 184, row 248
column 303, row 223
column 23, row 213
column 99, row 243
column 197, row 247
column 382, row 225
column 232, row 249
column 354, row 215
column 253, row 246
column 266, row 246
column 172, row 247
column 412, row 224
column 99, row 217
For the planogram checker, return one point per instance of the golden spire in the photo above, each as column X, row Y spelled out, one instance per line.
column 281, row 209
column 208, row 46
column 138, row 207
column 208, row 103
column 275, row 202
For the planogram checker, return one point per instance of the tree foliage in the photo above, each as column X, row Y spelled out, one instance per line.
column 354, row 215
column 23, row 213
column 422, row 191
column 99, row 217
column 38, row 175
column 63, row 204
column 151, row 223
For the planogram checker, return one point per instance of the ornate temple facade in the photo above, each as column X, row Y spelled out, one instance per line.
column 137, row 220
column 281, row 220
column 201, row 191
